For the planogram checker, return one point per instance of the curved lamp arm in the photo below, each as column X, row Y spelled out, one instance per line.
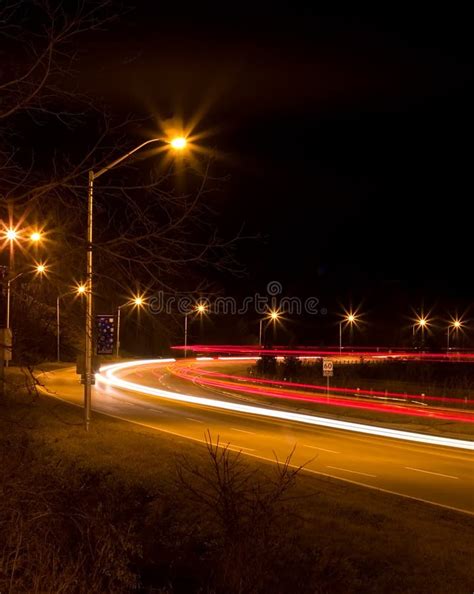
column 123, row 157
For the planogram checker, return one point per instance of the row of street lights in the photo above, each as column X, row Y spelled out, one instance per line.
column 11, row 236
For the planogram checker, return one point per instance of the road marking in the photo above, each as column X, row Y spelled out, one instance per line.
column 258, row 456
column 243, row 431
column 195, row 420
column 429, row 472
column 321, row 449
column 352, row 471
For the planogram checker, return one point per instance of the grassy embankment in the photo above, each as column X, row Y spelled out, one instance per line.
column 124, row 506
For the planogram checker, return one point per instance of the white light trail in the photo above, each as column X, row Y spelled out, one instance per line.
column 107, row 376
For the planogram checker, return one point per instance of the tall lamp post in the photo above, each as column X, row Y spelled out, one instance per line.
column 272, row 316
column 421, row 323
column 137, row 301
column 39, row 269
column 12, row 236
column 455, row 325
column 200, row 309
column 348, row 320
column 177, row 144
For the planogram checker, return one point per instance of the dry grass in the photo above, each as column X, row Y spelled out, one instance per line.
column 335, row 537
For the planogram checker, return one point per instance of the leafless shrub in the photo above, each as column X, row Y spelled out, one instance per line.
column 247, row 521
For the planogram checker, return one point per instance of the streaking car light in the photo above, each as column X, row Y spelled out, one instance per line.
column 107, row 376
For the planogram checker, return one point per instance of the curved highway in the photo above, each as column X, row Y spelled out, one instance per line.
column 163, row 395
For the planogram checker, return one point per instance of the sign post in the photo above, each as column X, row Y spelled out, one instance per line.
column 328, row 371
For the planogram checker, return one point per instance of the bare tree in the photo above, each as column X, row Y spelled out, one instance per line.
column 146, row 229
column 251, row 524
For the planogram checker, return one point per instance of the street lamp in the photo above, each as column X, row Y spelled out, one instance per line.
column 455, row 325
column 36, row 236
column 176, row 144
column 11, row 234
column 38, row 269
column 350, row 318
column 422, row 322
column 201, row 309
column 272, row 316
column 137, row 301
column 78, row 290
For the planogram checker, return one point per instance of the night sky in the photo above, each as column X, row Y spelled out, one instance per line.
column 346, row 138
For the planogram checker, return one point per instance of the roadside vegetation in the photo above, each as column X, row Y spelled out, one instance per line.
column 127, row 509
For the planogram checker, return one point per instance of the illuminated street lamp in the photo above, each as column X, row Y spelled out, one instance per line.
column 200, row 309
column 455, row 325
column 78, row 290
column 11, row 234
column 350, row 318
column 138, row 302
column 272, row 316
column 421, row 324
column 176, row 144
column 38, row 269
column 36, row 236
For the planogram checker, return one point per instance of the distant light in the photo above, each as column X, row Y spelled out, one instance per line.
column 81, row 289
column 274, row 315
column 138, row 301
column 422, row 322
column 351, row 318
column 41, row 268
column 35, row 236
column 11, row 234
column 457, row 324
column 201, row 308
column 178, row 143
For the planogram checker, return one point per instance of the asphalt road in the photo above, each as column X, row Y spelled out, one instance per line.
column 436, row 474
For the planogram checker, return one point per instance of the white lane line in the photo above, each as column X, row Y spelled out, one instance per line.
column 352, row 471
column 429, row 472
column 243, row 431
column 321, row 449
column 46, row 392
column 195, row 420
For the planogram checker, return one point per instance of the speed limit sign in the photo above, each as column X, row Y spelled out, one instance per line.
column 328, row 368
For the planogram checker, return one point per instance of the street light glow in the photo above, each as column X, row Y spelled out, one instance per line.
column 81, row 289
column 201, row 308
column 41, row 268
column 422, row 322
column 11, row 234
column 178, row 143
column 35, row 236
column 456, row 324
column 351, row 317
